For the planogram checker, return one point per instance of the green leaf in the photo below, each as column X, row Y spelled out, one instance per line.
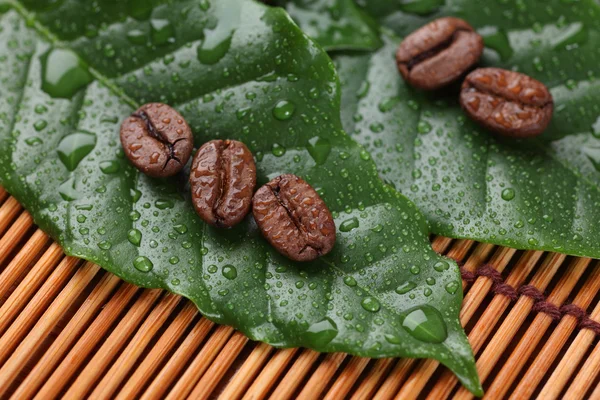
column 227, row 66
column 540, row 194
column 334, row 24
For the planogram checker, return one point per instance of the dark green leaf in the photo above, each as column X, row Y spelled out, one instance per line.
column 538, row 194
column 335, row 24
column 235, row 69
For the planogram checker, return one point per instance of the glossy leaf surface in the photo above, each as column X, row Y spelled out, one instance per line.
column 541, row 194
column 235, row 69
column 334, row 24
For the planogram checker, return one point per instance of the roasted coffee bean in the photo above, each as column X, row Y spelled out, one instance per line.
column 293, row 218
column 222, row 179
column 157, row 140
column 507, row 102
column 438, row 53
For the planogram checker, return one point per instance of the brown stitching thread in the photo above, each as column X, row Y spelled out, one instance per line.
column 540, row 302
column 499, row 286
column 590, row 324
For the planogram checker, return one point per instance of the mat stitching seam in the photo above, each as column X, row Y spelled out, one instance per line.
column 541, row 304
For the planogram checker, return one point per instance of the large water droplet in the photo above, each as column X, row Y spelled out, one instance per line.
column 74, row 147
column 229, row 272
column 135, row 237
column 34, row 141
column 425, row 323
column 349, row 224
column 393, row 339
column 284, row 110
column 67, row 190
column 319, row 149
column 278, row 150
column 143, row 264
column 405, row 287
column 363, row 90
column 370, row 304
column 441, row 266
column 350, row 281
column 218, row 38
column 63, row 73
column 110, row 166
column 137, row 36
column 163, row 204
column 320, row 333
column 508, row 194
column 452, row 287
column 162, row 31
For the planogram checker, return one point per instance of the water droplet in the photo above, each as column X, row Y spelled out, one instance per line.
column 320, row 333
column 215, row 47
column 423, row 127
column 284, row 110
column 349, row 224
column 33, row 141
column 137, row 36
column 363, row 91
column 370, row 304
column 135, row 237
column 204, row 5
column 143, row 264
column 319, row 149
column 67, row 190
column 278, row 150
column 405, row 287
column 110, row 166
column 162, row 31
column 105, row 245
column 135, row 195
column 441, row 266
column 229, row 272
column 41, row 109
column 74, row 147
column 425, row 323
column 39, row 125
column 164, row 204
column 350, row 281
column 63, row 73
column 508, row 194
column 393, row 339
column 388, row 104
column 181, row 228
column 452, row 287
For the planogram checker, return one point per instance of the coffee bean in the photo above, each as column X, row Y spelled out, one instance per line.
column 157, row 140
column 507, row 102
column 222, row 179
column 438, row 53
column 293, row 218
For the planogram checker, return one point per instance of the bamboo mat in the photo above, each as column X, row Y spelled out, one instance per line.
column 67, row 328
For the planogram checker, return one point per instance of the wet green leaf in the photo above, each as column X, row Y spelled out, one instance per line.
column 335, row 24
column 236, row 69
column 541, row 194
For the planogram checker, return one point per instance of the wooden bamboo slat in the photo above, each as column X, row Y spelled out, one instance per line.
column 70, row 330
